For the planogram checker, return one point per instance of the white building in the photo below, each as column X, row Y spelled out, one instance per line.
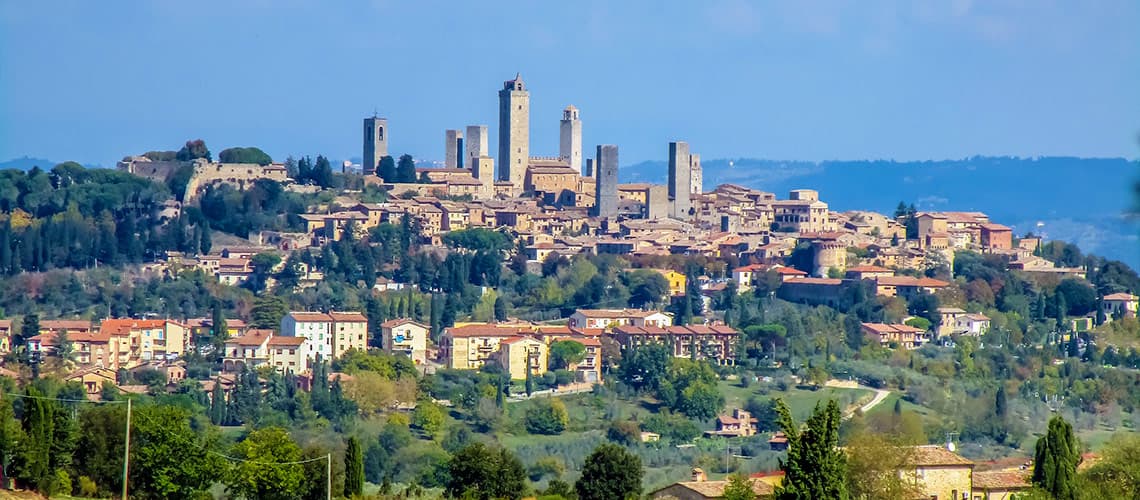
column 1120, row 304
column 605, row 318
column 406, row 337
column 314, row 326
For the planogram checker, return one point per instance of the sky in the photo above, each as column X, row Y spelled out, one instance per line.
column 797, row 80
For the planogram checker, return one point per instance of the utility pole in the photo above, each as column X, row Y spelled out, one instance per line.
column 127, row 451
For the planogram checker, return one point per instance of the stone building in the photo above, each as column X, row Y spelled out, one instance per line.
column 680, row 180
column 375, row 143
column 514, row 131
column 453, row 149
column 570, row 138
column 476, row 146
column 606, row 181
column 696, row 174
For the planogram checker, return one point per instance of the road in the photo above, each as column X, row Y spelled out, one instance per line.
column 880, row 394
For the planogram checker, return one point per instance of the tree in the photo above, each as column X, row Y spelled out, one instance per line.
column 322, row 172
column 29, row 328
column 35, row 463
column 261, row 266
column 1117, row 472
column 500, row 309
column 193, row 150
column 244, row 155
column 269, row 470
column 547, row 416
column 1055, row 460
column 701, row 401
column 353, row 469
column 564, row 353
column 406, row 169
column 169, row 459
column 873, row 464
column 267, row 311
column 644, row 367
column 482, row 473
column 610, row 473
column 738, row 488
column 11, row 435
column 428, row 417
column 815, row 466
column 387, row 169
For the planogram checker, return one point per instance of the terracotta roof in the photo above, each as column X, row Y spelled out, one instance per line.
column 951, row 310
column 483, row 330
column 253, row 337
column 816, row 281
column 1002, row 480
column 869, row 269
column 281, row 340
column 354, row 317
column 715, row 489
column 5, row 324
column 125, row 325
column 977, row 317
column 789, row 271
column 1120, row 296
column 303, row 316
column 887, row 328
column 520, row 338
column 65, row 324
column 392, row 323
column 932, row 455
column 615, row 313
column 995, row 227
column 677, row 330
column 911, row 281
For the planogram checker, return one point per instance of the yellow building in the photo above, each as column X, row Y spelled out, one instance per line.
column 469, row 347
column 939, row 473
column 349, row 330
column 519, row 354
column 677, row 281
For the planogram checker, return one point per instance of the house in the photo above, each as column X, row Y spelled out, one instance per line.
column 287, row 354
column 469, row 347
column 606, row 318
column 939, row 473
column 1120, row 305
column 250, row 350
column 948, row 320
column 677, row 281
column 789, row 273
column 907, row 286
column 974, row 324
column 5, row 336
column 716, row 343
column 93, row 378
column 520, row 355
column 407, row 337
column 868, row 272
column 314, row 326
column 739, row 424
column 996, row 237
column 999, row 484
column 150, row 339
column 905, row 336
column 588, row 370
column 745, row 274
column 349, row 330
column 814, row 291
column 778, row 442
column 700, row 488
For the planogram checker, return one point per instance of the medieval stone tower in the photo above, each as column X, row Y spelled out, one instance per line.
column 375, row 143
column 570, row 138
column 680, row 179
column 514, row 131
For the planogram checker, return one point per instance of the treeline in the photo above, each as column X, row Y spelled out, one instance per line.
column 74, row 217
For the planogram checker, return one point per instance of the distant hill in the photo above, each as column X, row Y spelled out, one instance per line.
column 1081, row 200
column 26, row 163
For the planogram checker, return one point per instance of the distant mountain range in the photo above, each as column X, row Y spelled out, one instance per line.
column 1083, row 200
column 27, row 163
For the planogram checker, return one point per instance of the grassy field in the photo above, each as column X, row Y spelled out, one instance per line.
column 801, row 401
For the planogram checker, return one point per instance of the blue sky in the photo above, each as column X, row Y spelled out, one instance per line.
column 812, row 80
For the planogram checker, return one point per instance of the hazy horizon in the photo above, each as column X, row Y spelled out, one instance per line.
column 800, row 82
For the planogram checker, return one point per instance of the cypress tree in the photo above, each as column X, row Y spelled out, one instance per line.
column 815, row 467
column 218, row 404
column 38, row 427
column 1055, row 461
column 353, row 469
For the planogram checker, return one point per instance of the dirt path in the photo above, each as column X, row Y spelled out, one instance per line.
column 880, row 394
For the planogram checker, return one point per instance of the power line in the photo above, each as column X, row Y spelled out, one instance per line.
column 28, row 396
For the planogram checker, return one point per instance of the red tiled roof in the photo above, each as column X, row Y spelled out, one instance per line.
column 281, row 340
column 392, row 323
column 484, row 330
column 302, row 316
column 1002, row 480
column 353, row 317
column 253, row 337
column 869, row 269
column 891, row 328
column 1120, row 296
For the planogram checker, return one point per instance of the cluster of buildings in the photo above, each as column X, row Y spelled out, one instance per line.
column 205, row 173
column 931, row 471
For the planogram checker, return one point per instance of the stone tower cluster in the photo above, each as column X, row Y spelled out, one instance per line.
column 453, row 149
column 680, row 180
column 375, row 143
column 514, row 131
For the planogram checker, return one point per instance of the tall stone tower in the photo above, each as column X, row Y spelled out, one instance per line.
column 570, row 138
column 680, row 178
column 476, row 144
column 696, row 174
column 514, row 131
column 606, row 181
column 453, row 149
column 375, row 143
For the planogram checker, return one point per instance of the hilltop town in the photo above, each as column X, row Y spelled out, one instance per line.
column 539, row 303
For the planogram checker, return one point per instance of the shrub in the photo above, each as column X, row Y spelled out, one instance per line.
column 87, row 487
column 62, row 482
column 626, row 432
column 548, row 416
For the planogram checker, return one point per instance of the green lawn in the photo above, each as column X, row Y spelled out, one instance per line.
column 801, row 401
